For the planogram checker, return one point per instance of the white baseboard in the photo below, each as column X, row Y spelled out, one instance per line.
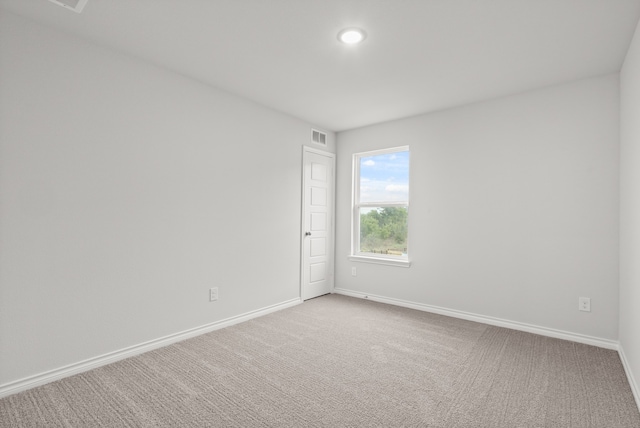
column 111, row 357
column 514, row 325
column 632, row 381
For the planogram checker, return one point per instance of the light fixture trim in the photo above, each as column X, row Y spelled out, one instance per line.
column 352, row 36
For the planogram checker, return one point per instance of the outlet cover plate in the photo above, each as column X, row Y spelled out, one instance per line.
column 584, row 304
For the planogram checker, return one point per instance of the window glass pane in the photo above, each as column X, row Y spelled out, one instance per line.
column 383, row 230
column 384, row 178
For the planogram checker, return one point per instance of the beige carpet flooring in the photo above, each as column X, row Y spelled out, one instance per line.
column 337, row 361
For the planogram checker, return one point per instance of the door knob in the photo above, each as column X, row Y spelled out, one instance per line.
column 307, row 234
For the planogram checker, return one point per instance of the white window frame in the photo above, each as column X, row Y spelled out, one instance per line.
column 356, row 255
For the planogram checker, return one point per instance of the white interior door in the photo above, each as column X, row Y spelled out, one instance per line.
column 317, row 223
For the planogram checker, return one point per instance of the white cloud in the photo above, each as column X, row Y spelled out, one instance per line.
column 368, row 163
column 381, row 191
column 397, row 188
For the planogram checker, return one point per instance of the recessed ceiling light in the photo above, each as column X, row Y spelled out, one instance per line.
column 352, row 36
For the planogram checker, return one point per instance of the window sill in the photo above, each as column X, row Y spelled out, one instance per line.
column 381, row 261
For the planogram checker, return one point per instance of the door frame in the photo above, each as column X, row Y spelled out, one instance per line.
column 332, row 235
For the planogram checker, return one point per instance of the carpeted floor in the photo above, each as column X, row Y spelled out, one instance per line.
column 337, row 361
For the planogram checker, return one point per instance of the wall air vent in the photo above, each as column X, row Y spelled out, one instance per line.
column 318, row 137
column 74, row 5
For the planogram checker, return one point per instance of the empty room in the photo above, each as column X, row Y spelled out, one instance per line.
column 320, row 213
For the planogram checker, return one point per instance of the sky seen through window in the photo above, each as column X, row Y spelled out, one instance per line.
column 384, row 177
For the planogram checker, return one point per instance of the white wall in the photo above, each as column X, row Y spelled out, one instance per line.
column 630, row 212
column 514, row 208
column 126, row 192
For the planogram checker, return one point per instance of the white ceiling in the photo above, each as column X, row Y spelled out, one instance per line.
column 420, row 55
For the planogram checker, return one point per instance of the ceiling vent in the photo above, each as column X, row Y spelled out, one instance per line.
column 318, row 137
column 74, row 5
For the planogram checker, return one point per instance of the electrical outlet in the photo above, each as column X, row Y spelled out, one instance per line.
column 353, row 271
column 584, row 304
column 213, row 294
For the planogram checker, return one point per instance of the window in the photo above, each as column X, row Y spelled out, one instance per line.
column 381, row 206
